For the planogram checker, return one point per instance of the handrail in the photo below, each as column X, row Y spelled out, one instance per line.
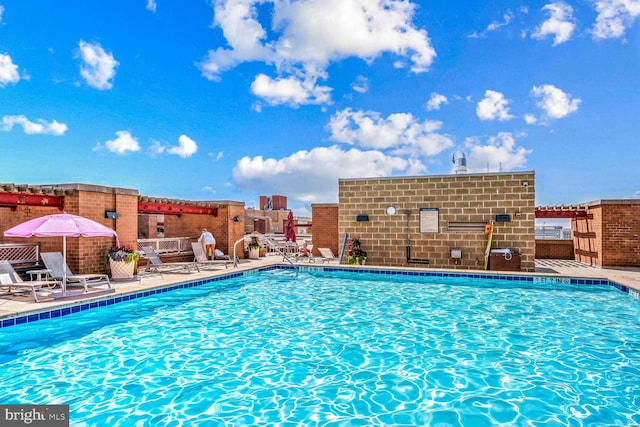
column 271, row 245
column 275, row 247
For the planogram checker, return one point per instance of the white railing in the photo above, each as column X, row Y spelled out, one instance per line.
column 167, row 245
column 20, row 253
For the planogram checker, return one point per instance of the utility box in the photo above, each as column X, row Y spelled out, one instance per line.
column 504, row 260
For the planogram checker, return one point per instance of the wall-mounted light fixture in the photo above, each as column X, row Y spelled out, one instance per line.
column 111, row 214
column 237, row 218
column 524, row 183
column 391, row 210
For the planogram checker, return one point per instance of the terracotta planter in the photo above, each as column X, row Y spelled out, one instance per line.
column 121, row 270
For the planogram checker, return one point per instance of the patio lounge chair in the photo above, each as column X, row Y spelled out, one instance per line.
column 10, row 279
column 156, row 265
column 56, row 265
column 200, row 257
column 327, row 256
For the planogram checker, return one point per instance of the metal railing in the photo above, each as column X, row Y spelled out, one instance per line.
column 167, row 245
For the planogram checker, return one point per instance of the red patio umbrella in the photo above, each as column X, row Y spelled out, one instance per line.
column 290, row 228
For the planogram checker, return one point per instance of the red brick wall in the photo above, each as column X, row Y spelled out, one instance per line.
column 610, row 235
column 325, row 228
column 554, row 249
column 84, row 254
column 225, row 230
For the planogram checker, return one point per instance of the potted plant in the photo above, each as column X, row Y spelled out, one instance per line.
column 254, row 248
column 123, row 261
column 356, row 254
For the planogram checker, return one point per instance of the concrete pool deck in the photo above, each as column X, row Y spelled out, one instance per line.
column 14, row 305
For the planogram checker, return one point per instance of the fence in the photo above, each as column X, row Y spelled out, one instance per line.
column 167, row 245
column 27, row 253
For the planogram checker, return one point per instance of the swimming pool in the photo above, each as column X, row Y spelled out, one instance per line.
column 338, row 349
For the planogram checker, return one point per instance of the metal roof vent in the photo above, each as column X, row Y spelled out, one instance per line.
column 459, row 162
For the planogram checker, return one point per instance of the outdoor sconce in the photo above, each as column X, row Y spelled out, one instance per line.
column 111, row 214
column 391, row 210
column 525, row 183
column 362, row 218
column 237, row 219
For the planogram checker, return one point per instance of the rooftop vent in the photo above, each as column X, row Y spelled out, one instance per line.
column 459, row 162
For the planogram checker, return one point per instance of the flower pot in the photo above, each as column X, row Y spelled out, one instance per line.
column 254, row 253
column 121, row 270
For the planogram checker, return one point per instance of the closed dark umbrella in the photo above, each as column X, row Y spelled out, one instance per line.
column 290, row 228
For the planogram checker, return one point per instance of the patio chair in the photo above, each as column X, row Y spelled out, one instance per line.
column 200, row 258
column 326, row 256
column 156, row 265
column 54, row 262
column 10, row 279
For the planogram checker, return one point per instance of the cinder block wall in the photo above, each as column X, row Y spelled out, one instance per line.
column 610, row 234
column 325, row 227
column 458, row 198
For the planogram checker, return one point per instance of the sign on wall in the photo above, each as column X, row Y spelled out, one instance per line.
column 429, row 220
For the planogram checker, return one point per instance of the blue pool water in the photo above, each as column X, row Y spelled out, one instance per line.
column 338, row 349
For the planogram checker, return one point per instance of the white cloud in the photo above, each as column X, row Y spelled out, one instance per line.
column 31, row 128
column 156, row 148
column 614, row 17
column 506, row 19
column 493, row 106
column 499, row 153
column 98, row 67
column 560, row 23
column 187, row 147
column 1, row 12
column 530, row 119
column 401, row 132
column 554, row 102
column 436, row 101
column 217, row 156
column 306, row 36
column 361, row 84
column 8, row 71
column 123, row 143
column 289, row 90
column 312, row 176
column 151, row 5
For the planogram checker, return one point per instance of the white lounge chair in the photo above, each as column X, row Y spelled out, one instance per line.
column 54, row 262
column 201, row 258
column 10, row 279
column 156, row 265
column 327, row 256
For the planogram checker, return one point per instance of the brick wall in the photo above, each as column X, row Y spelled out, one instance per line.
column 84, row 254
column 225, row 230
column 610, row 234
column 325, row 227
column 554, row 249
column 458, row 198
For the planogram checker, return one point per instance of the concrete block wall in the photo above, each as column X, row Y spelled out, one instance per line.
column 458, row 198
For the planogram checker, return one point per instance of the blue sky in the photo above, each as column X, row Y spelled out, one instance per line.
column 232, row 99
